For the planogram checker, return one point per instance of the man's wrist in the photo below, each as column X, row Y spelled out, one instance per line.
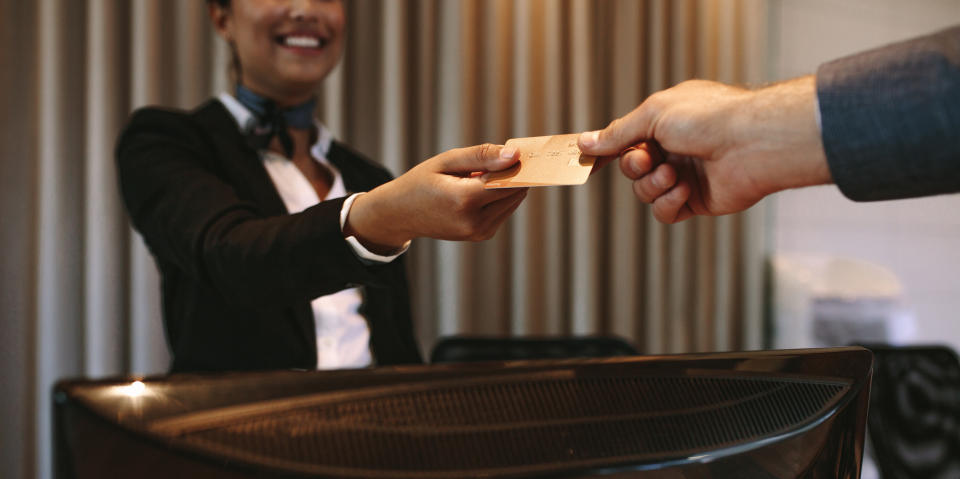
column 785, row 118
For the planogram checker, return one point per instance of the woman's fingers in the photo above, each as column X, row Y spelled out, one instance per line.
column 486, row 157
column 496, row 208
column 496, row 213
column 484, row 197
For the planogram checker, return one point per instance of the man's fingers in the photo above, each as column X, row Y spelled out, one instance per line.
column 486, row 157
column 601, row 162
column 672, row 207
column 620, row 133
column 639, row 160
column 654, row 185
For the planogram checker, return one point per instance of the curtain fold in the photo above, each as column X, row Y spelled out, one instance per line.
column 81, row 291
column 18, row 200
column 58, row 342
column 105, row 229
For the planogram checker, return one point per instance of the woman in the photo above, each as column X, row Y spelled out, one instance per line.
column 268, row 261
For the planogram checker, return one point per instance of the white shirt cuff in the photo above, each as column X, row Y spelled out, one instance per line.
column 819, row 115
column 364, row 254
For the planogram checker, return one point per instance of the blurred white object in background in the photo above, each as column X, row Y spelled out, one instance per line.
column 821, row 301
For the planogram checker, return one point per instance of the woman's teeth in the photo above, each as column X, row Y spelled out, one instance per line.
column 302, row 42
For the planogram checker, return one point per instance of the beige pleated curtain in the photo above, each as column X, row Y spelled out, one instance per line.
column 80, row 293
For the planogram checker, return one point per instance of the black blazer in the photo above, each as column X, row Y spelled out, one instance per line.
column 238, row 272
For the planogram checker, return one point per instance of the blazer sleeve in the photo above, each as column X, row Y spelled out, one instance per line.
column 192, row 217
column 891, row 119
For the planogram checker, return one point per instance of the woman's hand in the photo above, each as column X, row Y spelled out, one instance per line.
column 442, row 198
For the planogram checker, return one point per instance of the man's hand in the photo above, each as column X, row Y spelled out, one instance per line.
column 705, row 148
column 442, row 198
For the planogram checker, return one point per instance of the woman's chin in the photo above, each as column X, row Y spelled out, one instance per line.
column 292, row 92
column 308, row 78
column 287, row 85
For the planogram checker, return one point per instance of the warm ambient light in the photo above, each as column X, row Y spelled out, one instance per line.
column 134, row 389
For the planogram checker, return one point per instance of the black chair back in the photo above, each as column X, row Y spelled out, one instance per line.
column 461, row 349
column 914, row 420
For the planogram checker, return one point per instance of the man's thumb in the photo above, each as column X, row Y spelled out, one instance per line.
column 620, row 134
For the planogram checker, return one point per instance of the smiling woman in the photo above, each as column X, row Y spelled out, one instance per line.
column 280, row 247
column 284, row 50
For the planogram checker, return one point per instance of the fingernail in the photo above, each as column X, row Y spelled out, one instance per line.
column 507, row 152
column 590, row 138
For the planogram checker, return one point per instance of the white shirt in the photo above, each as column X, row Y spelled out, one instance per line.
column 343, row 336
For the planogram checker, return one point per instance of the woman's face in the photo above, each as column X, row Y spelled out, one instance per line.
column 285, row 47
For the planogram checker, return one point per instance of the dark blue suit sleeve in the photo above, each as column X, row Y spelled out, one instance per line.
column 891, row 119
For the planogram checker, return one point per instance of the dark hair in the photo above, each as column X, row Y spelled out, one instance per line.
column 222, row 3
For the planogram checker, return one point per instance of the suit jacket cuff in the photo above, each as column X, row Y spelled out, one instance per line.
column 890, row 118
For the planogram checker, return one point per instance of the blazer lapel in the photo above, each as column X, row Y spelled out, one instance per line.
column 353, row 180
column 239, row 160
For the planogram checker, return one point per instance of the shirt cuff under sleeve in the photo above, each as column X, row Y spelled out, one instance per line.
column 364, row 254
column 819, row 116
